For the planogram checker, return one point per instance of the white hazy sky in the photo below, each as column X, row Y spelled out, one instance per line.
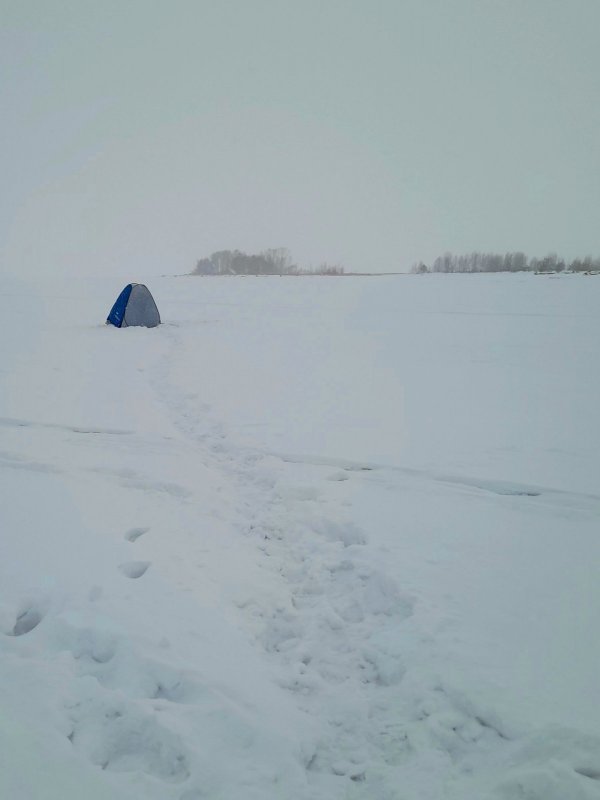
column 138, row 136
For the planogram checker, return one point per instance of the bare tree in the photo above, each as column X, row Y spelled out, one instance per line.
column 276, row 261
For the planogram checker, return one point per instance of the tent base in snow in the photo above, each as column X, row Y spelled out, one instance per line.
column 134, row 306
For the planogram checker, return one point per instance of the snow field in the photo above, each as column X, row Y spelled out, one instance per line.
column 240, row 558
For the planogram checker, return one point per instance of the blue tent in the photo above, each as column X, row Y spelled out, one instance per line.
column 134, row 306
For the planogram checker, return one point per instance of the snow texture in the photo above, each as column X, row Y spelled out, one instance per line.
column 310, row 539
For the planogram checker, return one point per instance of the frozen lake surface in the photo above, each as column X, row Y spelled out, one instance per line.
column 310, row 539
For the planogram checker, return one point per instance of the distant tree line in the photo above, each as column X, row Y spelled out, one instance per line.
column 276, row 261
column 509, row 262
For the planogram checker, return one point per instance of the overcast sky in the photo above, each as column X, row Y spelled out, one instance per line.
column 139, row 136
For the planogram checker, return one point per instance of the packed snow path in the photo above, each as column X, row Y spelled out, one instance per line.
column 227, row 571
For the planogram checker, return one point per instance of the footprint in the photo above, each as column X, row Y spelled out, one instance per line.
column 135, row 533
column 339, row 476
column 27, row 621
column 589, row 772
column 95, row 593
column 121, row 738
column 134, row 569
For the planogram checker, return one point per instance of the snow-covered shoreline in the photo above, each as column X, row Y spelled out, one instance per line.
column 328, row 539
